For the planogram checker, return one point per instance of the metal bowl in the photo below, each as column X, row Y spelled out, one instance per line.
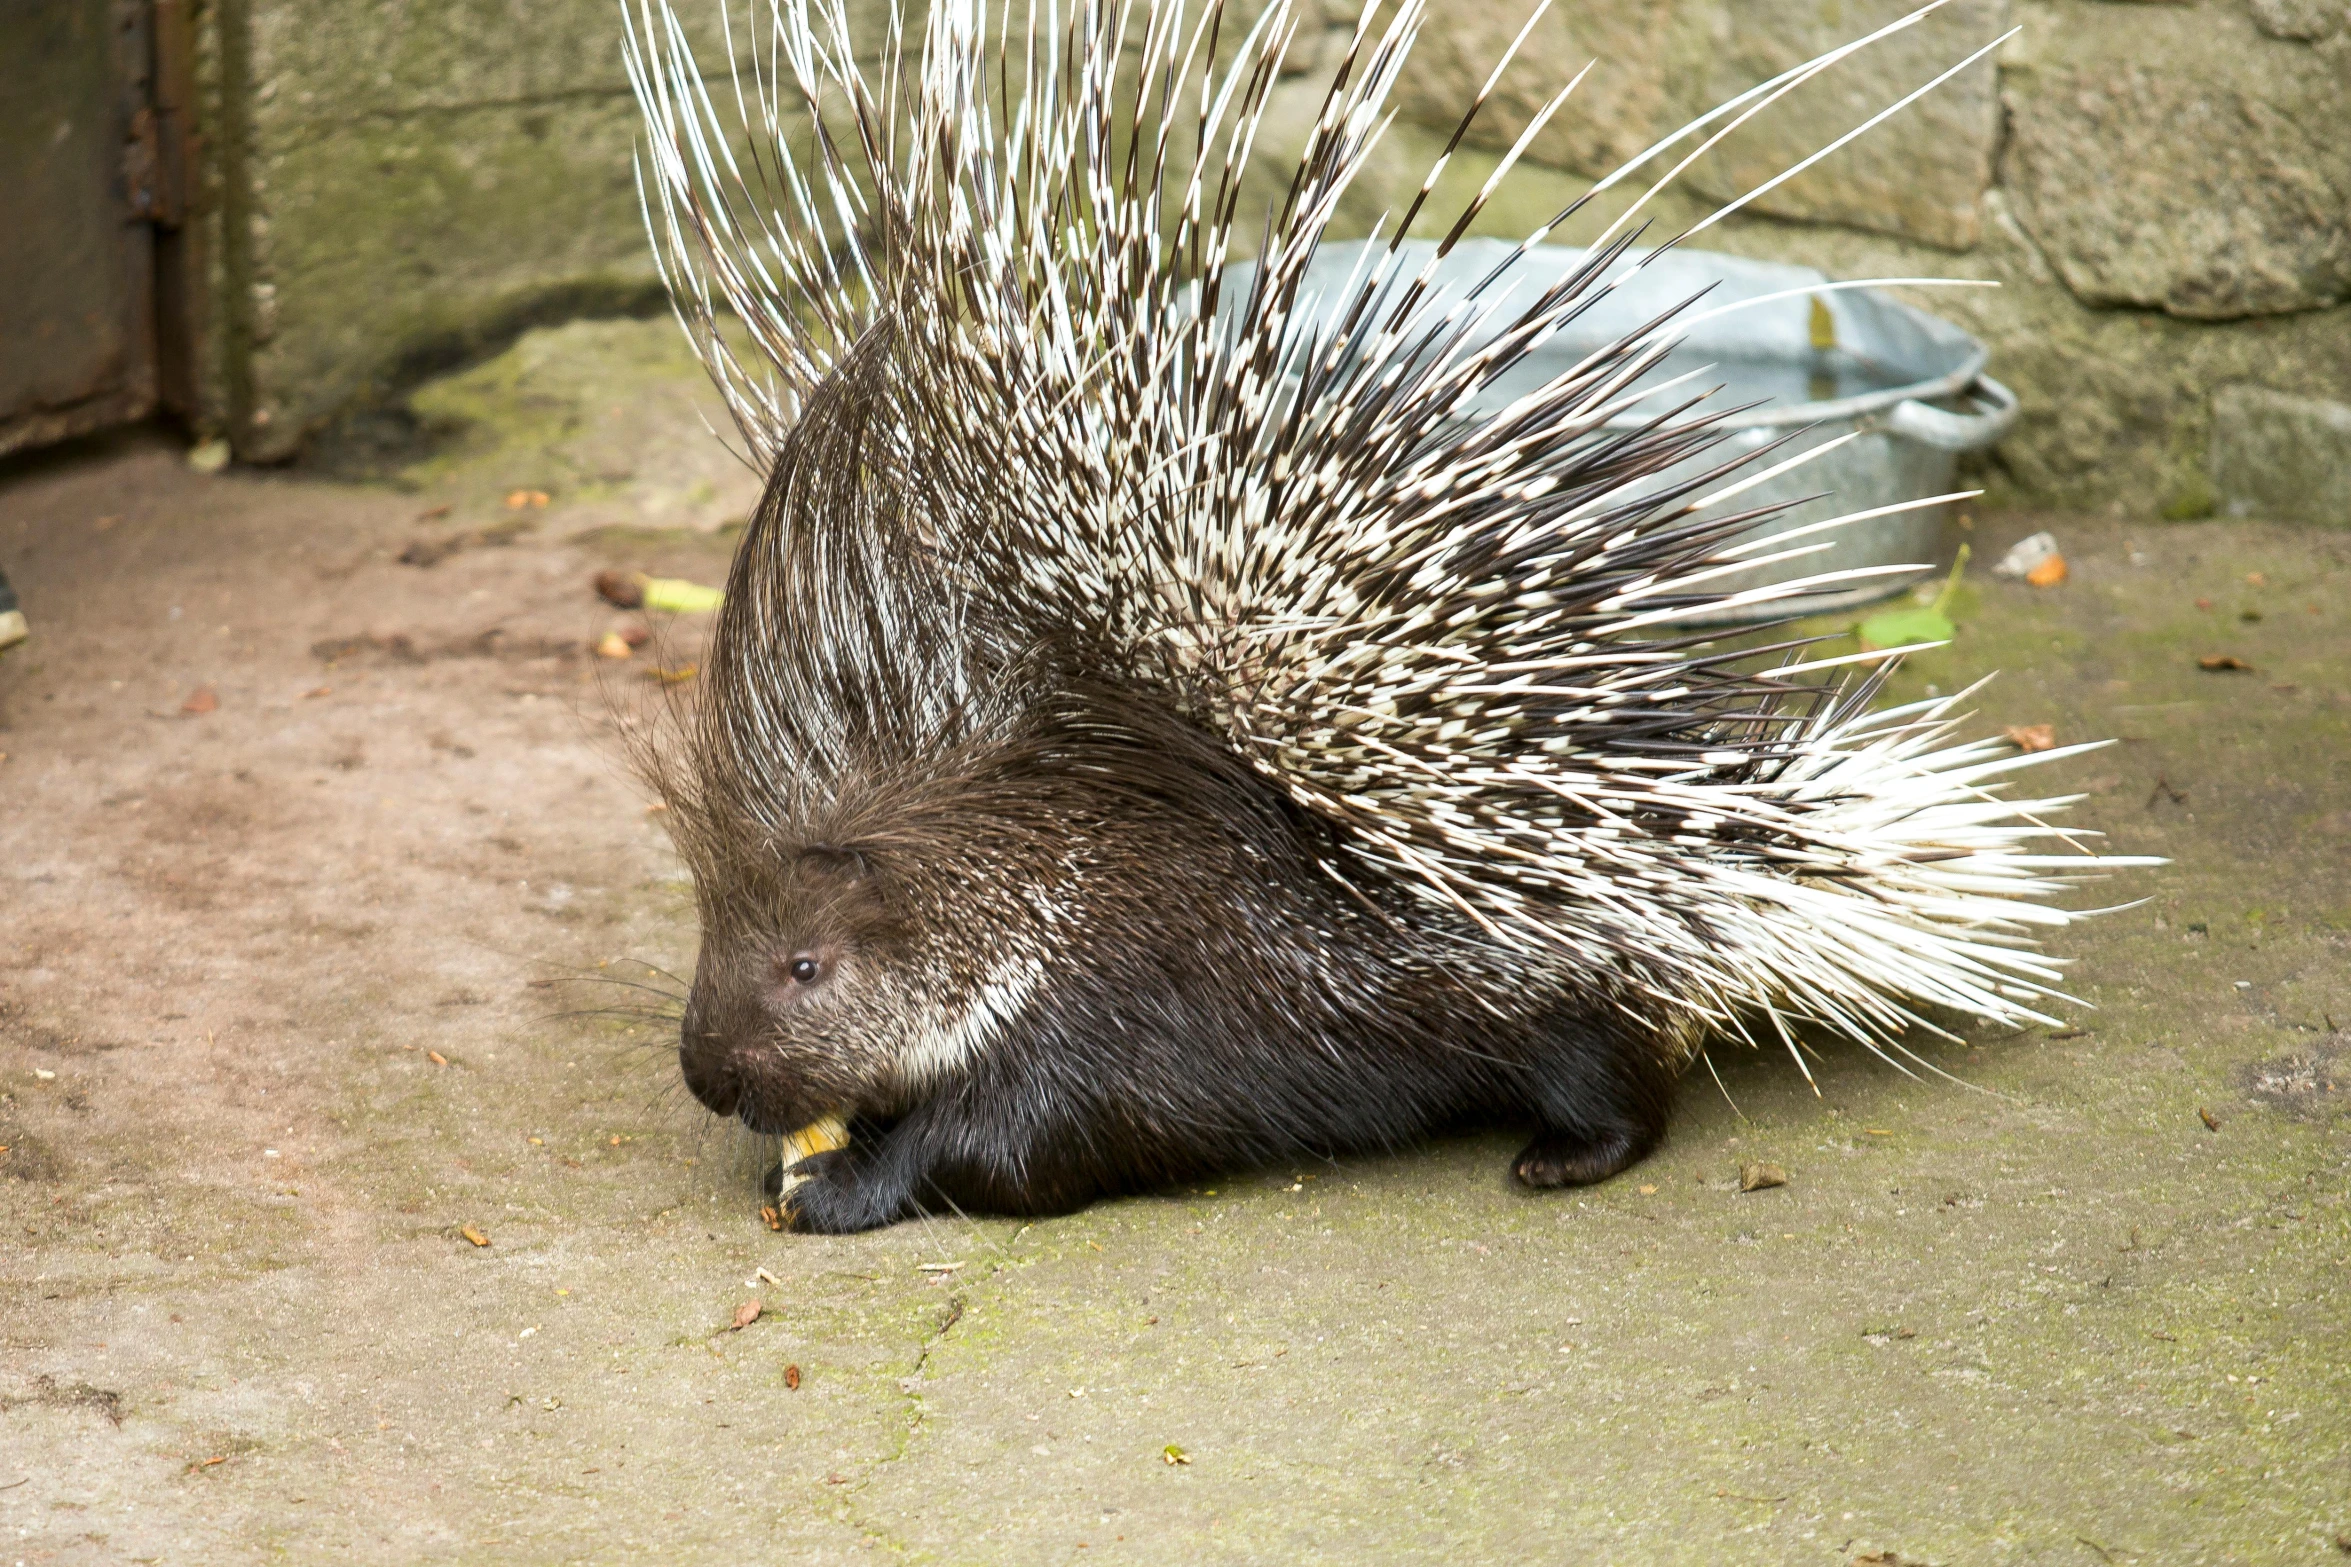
column 1818, row 365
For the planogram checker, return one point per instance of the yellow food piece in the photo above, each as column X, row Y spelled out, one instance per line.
column 821, row 1135
column 679, row 596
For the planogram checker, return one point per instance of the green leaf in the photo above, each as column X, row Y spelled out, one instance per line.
column 1902, row 627
column 1925, row 623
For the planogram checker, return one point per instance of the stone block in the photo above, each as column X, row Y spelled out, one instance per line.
column 2185, row 162
column 2281, row 457
column 1921, row 174
column 388, row 244
column 409, row 182
column 611, row 415
column 2305, row 21
column 1639, row 51
column 316, row 62
column 1656, row 63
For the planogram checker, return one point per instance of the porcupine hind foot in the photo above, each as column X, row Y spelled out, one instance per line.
column 1604, row 1103
column 1560, row 1158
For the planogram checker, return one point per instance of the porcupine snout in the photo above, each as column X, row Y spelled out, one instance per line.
column 743, row 1052
column 706, row 1058
column 793, row 1007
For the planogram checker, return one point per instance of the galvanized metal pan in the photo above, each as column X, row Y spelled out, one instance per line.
column 1790, row 359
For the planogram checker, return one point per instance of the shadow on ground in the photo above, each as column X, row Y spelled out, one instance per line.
column 298, row 991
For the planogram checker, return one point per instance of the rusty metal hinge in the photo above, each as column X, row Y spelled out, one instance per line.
column 158, row 156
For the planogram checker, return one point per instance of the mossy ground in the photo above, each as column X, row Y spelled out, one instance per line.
column 296, row 990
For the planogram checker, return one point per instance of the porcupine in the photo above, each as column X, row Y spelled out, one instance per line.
column 1150, row 731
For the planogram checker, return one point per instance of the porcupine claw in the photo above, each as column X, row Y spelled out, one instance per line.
column 843, row 1191
column 1557, row 1159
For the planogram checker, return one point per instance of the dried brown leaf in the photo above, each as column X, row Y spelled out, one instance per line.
column 620, row 589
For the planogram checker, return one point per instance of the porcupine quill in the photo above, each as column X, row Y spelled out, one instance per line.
column 1149, row 730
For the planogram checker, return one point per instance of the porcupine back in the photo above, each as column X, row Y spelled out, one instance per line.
column 1030, row 443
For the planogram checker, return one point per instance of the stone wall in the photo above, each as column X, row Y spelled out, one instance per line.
column 2162, row 190
column 399, row 184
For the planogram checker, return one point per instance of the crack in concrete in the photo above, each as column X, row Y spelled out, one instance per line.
column 49, row 1393
column 947, row 1319
column 910, row 1389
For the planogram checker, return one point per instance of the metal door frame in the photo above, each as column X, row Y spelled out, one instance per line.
column 153, row 123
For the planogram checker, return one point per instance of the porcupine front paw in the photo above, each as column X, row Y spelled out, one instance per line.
column 839, row 1194
column 1557, row 1158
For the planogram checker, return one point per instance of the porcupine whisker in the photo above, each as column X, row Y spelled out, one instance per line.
column 631, row 1014
column 617, row 983
column 663, row 1094
column 659, row 972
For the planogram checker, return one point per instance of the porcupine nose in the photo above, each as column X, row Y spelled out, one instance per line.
column 707, row 1063
column 710, row 1080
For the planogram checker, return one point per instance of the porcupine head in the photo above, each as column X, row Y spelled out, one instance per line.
column 1167, row 714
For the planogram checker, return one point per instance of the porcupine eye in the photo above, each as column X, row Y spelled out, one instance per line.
column 803, row 968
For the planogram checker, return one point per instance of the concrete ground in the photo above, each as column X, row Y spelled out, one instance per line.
column 302, row 994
